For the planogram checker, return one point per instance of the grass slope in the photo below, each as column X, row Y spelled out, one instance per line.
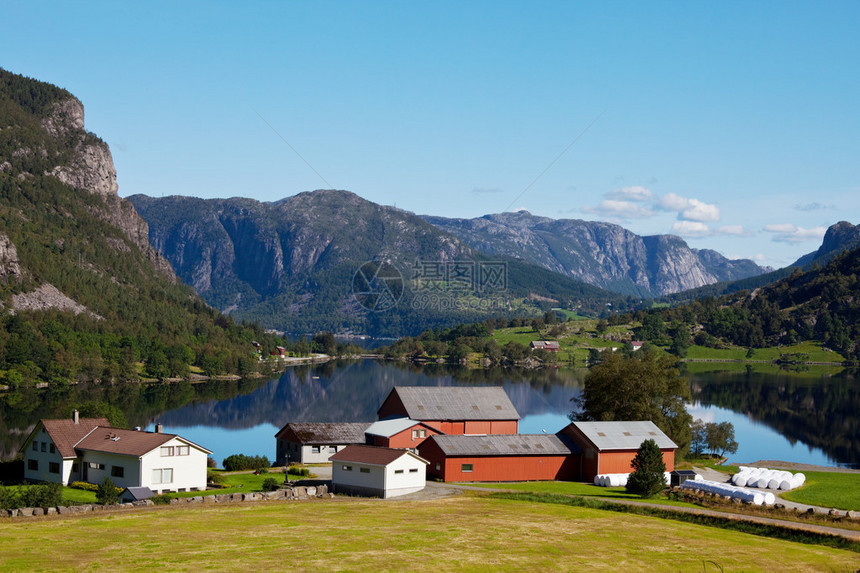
column 461, row 533
column 829, row 489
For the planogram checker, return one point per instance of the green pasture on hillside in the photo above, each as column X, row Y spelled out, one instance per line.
column 839, row 490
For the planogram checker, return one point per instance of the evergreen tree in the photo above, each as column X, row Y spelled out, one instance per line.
column 107, row 493
column 649, row 472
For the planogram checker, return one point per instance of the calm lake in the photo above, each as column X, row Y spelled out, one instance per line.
column 790, row 417
column 803, row 418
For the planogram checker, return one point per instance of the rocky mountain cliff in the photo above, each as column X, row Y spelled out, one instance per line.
column 293, row 264
column 839, row 238
column 85, row 296
column 601, row 254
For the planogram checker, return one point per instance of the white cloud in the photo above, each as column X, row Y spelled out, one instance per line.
column 700, row 211
column 622, row 209
column 734, row 230
column 672, row 202
column 689, row 209
column 691, row 229
column 631, row 193
column 790, row 233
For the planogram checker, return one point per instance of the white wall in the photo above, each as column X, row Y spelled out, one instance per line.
column 378, row 480
column 44, row 460
column 130, row 465
column 412, row 476
column 189, row 472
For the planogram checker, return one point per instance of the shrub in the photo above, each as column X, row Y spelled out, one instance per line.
column 45, row 495
column 214, row 477
column 162, row 499
column 649, row 472
column 84, row 486
column 270, row 484
column 211, row 463
column 238, row 462
column 297, row 471
column 107, row 493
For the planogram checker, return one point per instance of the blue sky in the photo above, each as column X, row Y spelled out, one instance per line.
column 734, row 125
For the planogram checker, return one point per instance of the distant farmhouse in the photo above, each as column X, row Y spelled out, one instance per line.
column 548, row 345
column 90, row 449
column 315, row 442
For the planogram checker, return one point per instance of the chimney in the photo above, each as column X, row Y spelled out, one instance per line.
column 76, row 418
column 158, row 428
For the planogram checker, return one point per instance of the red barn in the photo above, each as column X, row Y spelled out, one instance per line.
column 398, row 433
column 520, row 457
column 454, row 410
column 609, row 447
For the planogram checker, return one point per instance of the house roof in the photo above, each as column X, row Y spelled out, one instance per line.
column 325, row 432
column 137, row 493
column 456, row 403
column 393, row 426
column 623, row 435
column 125, row 442
column 506, row 445
column 66, row 434
column 545, row 344
column 372, row 455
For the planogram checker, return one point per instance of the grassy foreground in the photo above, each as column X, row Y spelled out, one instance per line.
column 462, row 533
column 580, row 489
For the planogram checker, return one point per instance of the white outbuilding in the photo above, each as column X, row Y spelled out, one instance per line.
column 378, row 472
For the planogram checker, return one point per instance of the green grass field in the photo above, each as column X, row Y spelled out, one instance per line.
column 462, row 533
column 577, row 488
column 829, row 489
column 813, row 350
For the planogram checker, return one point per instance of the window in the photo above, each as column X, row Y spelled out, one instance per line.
column 398, row 471
column 183, row 450
column 44, row 446
column 166, row 451
column 438, row 467
column 423, row 434
column 96, row 466
column 35, row 446
column 54, row 467
column 413, row 470
column 414, row 434
column 315, row 449
column 164, row 475
column 117, row 471
column 332, row 449
column 347, row 468
column 364, row 470
column 75, row 467
column 33, row 465
column 52, row 448
column 466, row 468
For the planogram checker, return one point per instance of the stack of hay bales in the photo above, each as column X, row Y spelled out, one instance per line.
column 764, row 478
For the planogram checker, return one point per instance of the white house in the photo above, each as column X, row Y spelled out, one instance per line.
column 89, row 450
column 379, row 472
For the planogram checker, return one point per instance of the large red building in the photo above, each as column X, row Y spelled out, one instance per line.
column 520, row 457
column 453, row 410
column 609, row 447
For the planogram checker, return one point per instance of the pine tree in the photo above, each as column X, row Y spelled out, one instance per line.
column 649, row 471
column 107, row 493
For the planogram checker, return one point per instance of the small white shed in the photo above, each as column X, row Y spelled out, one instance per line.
column 378, row 472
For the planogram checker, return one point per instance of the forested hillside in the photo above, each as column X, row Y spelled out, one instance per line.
column 83, row 294
column 819, row 304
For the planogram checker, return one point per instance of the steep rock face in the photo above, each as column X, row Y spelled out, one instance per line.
column 839, row 237
column 91, row 169
column 601, row 254
column 10, row 268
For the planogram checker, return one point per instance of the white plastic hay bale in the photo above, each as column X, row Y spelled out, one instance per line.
column 769, row 498
column 773, row 484
column 758, row 499
column 761, row 483
column 800, row 477
column 698, row 477
column 739, row 480
column 597, row 479
column 785, row 485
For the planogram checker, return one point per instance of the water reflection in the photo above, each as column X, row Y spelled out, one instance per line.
column 230, row 417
